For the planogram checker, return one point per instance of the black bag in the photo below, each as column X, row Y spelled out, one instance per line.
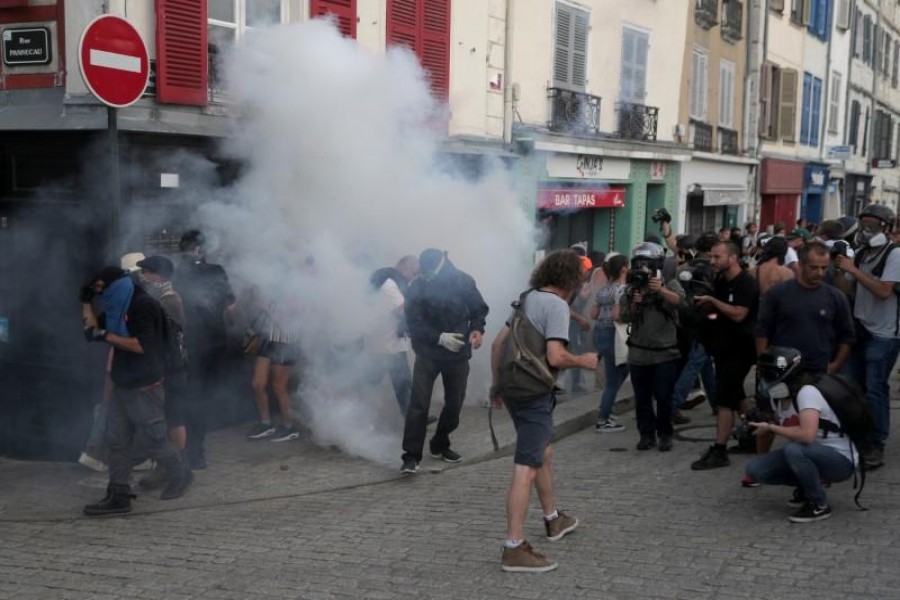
column 175, row 355
column 698, row 279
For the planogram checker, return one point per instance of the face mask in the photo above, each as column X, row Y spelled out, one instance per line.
column 154, row 288
column 872, row 237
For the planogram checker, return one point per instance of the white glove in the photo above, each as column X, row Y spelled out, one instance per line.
column 452, row 341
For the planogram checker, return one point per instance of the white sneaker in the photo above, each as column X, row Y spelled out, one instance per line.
column 608, row 426
column 92, row 463
column 147, row 465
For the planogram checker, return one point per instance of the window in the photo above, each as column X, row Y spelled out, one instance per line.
column 633, row 75
column 853, row 133
column 726, row 93
column 800, row 10
column 699, row 84
column 732, row 20
column 834, row 102
column 343, row 11
column 769, row 87
column 809, row 116
column 886, row 69
column 787, row 105
column 894, row 73
column 858, row 35
column 867, row 40
column 818, row 18
column 882, row 132
column 570, row 47
column 865, row 138
column 423, row 26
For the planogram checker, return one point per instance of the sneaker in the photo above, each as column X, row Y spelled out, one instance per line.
column 873, row 458
column 147, row 465
column 560, row 526
column 711, row 459
column 92, row 463
column 155, row 480
column 177, row 486
column 447, row 455
column 749, row 482
column 285, row 434
column 524, row 559
column 797, row 499
column 809, row 513
column 646, row 442
column 608, row 425
column 695, row 398
column 410, row 466
column 665, row 443
column 680, row 419
column 260, row 431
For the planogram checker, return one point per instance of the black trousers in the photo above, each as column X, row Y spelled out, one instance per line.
column 455, row 375
column 202, row 397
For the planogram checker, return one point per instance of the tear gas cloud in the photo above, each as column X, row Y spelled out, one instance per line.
column 342, row 176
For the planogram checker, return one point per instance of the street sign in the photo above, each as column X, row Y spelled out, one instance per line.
column 840, row 152
column 26, row 46
column 883, row 163
column 113, row 61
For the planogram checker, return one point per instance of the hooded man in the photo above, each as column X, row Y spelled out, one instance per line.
column 445, row 314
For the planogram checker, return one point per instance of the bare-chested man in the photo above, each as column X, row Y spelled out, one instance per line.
column 770, row 269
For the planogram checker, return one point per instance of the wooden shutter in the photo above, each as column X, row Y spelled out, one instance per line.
column 181, row 52
column 805, row 109
column 853, row 134
column 726, row 93
column 343, row 10
column 842, row 14
column 633, row 70
column 562, row 52
column 787, row 105
column 834, row 103
column 867, row 40
column 765, row 99
column 815, row 112
column 894, row 73
column 858, row 35
column 423, row 26
column 579, row 48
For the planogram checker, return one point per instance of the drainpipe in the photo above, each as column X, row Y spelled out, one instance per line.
column 825, row 96
column 762, row 9
column 876, row 53
column 845, row 200
column 507, row 74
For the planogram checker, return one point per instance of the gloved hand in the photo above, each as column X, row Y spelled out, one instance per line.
column 86, row 294
column 452, row 341
column 94, row 334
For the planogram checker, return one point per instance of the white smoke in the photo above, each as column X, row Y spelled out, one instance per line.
column 343, row 176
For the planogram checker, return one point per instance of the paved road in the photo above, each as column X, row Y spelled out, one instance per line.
column 650, row 528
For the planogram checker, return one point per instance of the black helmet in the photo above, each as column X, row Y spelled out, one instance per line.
column 706, row 241
column 687, row 242
column 880, row 212
column 775, row 366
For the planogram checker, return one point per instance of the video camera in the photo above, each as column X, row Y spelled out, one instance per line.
column 637, row 279
column 661, row 215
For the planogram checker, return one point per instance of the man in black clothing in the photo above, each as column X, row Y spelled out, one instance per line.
column 134, row 327
column 207, row 297
column 728, row 335
column 445, row 314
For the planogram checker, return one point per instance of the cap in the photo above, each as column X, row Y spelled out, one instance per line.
column 130, row 261
column 158, row 264
column 800, row 233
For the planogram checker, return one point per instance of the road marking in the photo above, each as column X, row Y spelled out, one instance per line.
column 113, row 60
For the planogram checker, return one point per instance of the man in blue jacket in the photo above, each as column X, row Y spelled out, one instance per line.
column 445, row 314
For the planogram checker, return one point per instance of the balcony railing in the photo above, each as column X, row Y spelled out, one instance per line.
column 706, row 13
column 728, row 141
column 701, row 135
column 636, row 121
column 732, row 21
column 573, row 112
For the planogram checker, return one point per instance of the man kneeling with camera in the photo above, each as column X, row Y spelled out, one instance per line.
column 818, row 449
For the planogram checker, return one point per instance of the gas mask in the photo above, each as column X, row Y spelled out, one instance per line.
column 871, row 236
column 430, row 274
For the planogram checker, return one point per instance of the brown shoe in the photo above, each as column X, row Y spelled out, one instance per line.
column 524, row 559
column 560, row 526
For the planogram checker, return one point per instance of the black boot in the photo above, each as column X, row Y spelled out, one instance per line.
column 177, row 485
column 118, row 500
column 155, row 480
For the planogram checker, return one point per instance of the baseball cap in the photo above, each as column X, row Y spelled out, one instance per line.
column 129, row 262
column 158, row 264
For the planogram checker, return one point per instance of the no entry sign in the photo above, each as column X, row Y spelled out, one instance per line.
column 113, row 61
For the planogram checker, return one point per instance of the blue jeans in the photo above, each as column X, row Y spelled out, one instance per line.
column 804, row 466
column 653, row 381
column 605, row 342
column 698, row 363
column 870, row 365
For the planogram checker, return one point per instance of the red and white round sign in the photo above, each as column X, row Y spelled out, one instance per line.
column 113, row 61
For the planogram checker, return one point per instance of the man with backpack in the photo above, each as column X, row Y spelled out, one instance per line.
column 876, row 271
column 133, row 324
column 820, row 444
column 526, row 357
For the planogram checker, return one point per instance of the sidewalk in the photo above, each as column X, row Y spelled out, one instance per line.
column 242, row 471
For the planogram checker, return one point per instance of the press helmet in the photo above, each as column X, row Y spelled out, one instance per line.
column 648, row 253
column 880, row 212
column 775, row 366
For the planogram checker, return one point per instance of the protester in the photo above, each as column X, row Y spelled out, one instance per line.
column 546, row 309
column 605, row 313
column 769, row 270
column 445, row 314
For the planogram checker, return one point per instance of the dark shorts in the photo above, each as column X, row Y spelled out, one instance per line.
column 176, row 389
column 533, row 420
column 731, row 370
column 280, row 353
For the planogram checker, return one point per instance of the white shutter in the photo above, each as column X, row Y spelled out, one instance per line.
column 633, row 70
column 626, row 72
column 579, row 48
column 726, row 94
column 842, row 16
column 699, row 84
column 562, row 59
column 834, row 105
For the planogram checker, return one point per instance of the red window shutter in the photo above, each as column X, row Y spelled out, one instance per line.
column 344, row 10
column 181, row 52
column 424, row 27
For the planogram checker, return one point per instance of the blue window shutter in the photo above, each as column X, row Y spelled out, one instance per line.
column 804, row 113
column 813, row 17
column 816, row 111
column 824, row 13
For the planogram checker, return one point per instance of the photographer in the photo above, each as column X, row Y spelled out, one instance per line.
column 811, row 455
column 650, row 307
column 662, row 217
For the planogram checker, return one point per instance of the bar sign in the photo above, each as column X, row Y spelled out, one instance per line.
column 26, row 46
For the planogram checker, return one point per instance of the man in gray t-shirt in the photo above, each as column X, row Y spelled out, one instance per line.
column 555, row 280
column 876, row 270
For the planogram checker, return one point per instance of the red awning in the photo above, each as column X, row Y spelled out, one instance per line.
column 577, row 198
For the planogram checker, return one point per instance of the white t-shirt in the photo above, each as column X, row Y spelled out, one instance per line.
column 790, row 257
column 384, row 337
column 810, row 397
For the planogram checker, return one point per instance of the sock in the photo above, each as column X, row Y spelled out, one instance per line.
column 551, row 516
column 513, row 543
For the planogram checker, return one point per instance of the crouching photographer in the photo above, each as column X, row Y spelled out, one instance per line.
column 819, row 447
column 650, row 308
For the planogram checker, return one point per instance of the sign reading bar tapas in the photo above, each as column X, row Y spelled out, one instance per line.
column 577, row 198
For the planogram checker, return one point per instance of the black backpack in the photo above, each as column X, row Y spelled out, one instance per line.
column 698, row 279
column 849, row 404
column 175, row 356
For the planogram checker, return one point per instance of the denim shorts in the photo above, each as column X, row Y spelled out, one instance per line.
column 533, row 420
column 280, row 353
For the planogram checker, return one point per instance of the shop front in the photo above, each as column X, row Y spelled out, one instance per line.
column 781, row 185
column 716, row 194
column 815, row 186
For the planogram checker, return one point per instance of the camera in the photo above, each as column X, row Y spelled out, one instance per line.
column 661, row 215
column 637, row 279
column 839, row 248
